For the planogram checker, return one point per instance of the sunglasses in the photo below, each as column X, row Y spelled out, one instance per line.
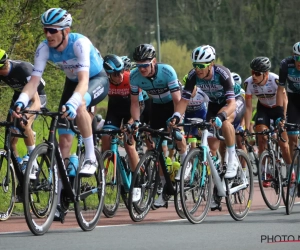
column 201, row 65
column 256, row 73
column 296, row 58
column 52, row 30
column 143, row 65
column 116, row 74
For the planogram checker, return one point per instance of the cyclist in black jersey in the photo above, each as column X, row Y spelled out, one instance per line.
column 223, row 109
column 16, row 75
column 289, row 81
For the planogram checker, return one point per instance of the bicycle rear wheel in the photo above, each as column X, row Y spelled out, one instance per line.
column 112, row 185
column 293, row 183
column 8, row 188
column 40, row 194
column 239, row 202
column 196, row 190
column 178, row 202
column 269, row 180
column 90, row 194
column 145, row 177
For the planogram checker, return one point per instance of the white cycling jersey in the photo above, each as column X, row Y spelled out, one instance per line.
column 266, row 94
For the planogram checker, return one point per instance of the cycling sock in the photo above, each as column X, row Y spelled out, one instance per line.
column 89, row 148
column 163, row 180
column 60, row 187
column 30, row 149
column 182, row 156
column 231, row 153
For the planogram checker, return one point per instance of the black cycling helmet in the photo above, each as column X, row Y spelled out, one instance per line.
column 144, row 52
column 260, row 64
column 113, row 63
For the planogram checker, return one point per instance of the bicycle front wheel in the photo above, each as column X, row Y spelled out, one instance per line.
column 293, row 183
column 8, row 187
column 239, row 201
column 269, row 180
column 90, row 194
column 40, row 192
column 112, row 184
column 196, row 189
column 145, row 178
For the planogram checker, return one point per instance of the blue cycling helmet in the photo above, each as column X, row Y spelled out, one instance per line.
column 113, row 63
column 203, row 54
column 56, row 16
column 127, row 62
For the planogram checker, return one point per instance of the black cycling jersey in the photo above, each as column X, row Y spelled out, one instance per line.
column 19, row 75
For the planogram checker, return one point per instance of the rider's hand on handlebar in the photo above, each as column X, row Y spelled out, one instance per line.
column 174, row 120
column 69, row 111
column 216, row 122
column 17, row 109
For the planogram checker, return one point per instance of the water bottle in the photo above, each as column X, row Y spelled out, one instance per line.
column 73, row 165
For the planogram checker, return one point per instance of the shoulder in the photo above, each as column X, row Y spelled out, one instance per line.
column 222, row 71
column 134, row 74
column 286, row 62
column 166, row 70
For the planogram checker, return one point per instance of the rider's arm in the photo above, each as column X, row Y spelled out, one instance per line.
column 134, row 107
column 280, row 95
column 248, row 112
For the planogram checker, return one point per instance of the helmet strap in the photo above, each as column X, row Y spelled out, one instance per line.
column 261, row 80
column 113, row 82
column 62, row 40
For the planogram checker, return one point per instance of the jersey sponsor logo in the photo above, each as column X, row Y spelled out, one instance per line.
column 79, row 45
column 157, row 91
column 37, row 53
column 293, row 78
column 222, row 72
column 210, row 87
column 277, row 81
column 98, row 91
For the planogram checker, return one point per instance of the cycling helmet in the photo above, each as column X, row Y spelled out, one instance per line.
column 144, row 52
column 203, row 54
column 56, row 16
column 113, row 63
column 236, row 77
column 3, row 57
column 98, row 117
column 296, row 48
column 260, row 64
column 127, row 62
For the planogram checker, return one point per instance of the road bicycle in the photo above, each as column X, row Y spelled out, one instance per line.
column 146, row 176
column 86, row 192
column 293, row 180
column 197, row 191
column 11, row 176
column 272, row 171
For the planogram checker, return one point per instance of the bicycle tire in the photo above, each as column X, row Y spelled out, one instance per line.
column 292, row 185
column 253, row 157
column 237, row 203
column 273, row 191
column 90, row 189
column 146, row 177
column 7, row 189
column 196, row 192
column 46, row 182
column 112, row 187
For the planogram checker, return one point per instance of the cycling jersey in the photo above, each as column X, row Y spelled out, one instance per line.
column 19, row 75
column 289, row 75
column 266, row 94
column 79, row 55
column 159, row 87
column 197, row 103
column 218, row 89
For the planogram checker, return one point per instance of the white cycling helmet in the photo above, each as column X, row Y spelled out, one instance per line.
column 236, row 77
column 296, row 48
column 56, row 16
column 203, row 54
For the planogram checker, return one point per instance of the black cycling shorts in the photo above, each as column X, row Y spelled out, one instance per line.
column 160, row 113
column 293, row 111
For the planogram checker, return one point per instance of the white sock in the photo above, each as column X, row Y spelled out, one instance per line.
column 60, row 187
column 163, row 180
column 30, row 149
column 182, row 156
column 89, row 148
column 231, row 153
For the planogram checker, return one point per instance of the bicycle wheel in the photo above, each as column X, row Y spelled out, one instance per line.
column 239, row 202
column 90, row 192
column 177, row 201
column 145, row 177
column 112, row 185
column 40, row 194
column 293, row 183
column 8, row 187
column 196, row 190
column 253, row 157
column 269, row 180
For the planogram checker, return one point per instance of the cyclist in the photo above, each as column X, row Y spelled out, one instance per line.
column 16, row 75
column 263, row 84
column 223, row 109
column 289, row 75
column 118, row 109
column 160, row 82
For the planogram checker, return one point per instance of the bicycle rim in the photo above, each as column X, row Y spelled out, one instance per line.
column 239, row 203
column 7, row 188
column 196, row 190
column 40, row 195
column 90, row 193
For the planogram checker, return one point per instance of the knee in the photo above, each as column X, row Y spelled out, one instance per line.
column 65, row 140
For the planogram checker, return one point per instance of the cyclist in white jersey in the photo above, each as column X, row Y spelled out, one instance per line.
column 86, row 81
column 263, row 84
